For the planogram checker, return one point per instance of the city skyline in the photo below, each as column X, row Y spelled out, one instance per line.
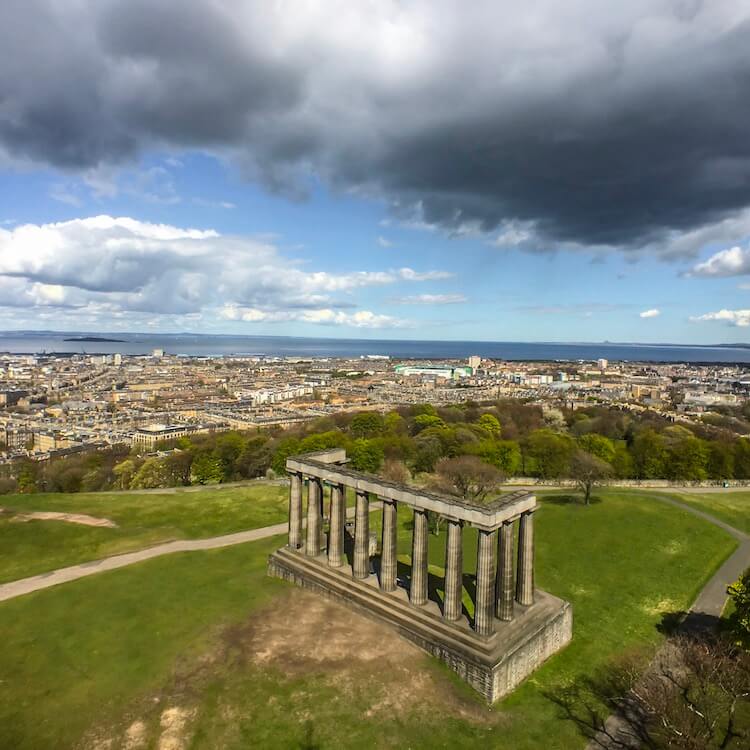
column 568, row 183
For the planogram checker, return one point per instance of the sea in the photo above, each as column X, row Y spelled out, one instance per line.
column 204, row 345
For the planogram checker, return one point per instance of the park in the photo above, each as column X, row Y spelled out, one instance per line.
column 200, row 648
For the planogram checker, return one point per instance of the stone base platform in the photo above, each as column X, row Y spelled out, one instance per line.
column 494, row 665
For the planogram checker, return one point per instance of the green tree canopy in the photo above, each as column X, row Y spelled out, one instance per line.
column 490, row 423
column 367, row 424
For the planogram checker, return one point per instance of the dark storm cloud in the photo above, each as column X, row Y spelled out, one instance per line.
column 585, row 122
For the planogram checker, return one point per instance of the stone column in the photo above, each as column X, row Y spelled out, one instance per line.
column 504, row 592
column 525, row 564
column 295, row 511
column 418, row 587
column 388, row 558
column 322, row 534
column 314, row 516
column 362, row 536
column 336, row 536
column 484, row 605
column 454, row 564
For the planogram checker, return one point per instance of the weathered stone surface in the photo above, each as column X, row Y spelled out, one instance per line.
column 418, row 584
column 336, row 533
column 454, row 568
column 484, row 606
column 388, row 562
column 314, row 517
column 525, row 572
column 488, row 516
column 362, row 536
column 493, row 665
column 504, row 594
column 507, row 641
column 295, row 511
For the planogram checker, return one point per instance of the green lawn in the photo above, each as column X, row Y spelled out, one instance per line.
column 143, row 519
column 731, row 506
column 82, row 658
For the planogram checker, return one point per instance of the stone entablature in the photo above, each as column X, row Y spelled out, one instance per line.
column 507, row 616
column 324, row 466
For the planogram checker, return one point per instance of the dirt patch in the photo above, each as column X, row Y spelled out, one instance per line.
column 135, row 736
column 305, row 633
column 174, row 722
column 79, row 518
column 307, row 643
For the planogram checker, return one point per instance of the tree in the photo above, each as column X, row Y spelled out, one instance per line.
column 395, row 471
column 150, row 475
column 598, row 445
column 428, row 451
column 8, row 486
column 551, row 452
column 687, row 455
column 255, row 458
column 467, row 477
column 366, row 455
column 649, row 455
column 490, row 423
column 503, row 454
column 27, row 478
column 124, row 473
column 206, row 469
column 588, row 471
column 622, row 462
column 178, row 468
column 423, row 421
column 742, row 458
column 367, row 424
column 694, row 696
column 286, row 447
column 720, row 463
column 739, row 620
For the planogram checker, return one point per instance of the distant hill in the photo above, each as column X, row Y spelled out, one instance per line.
column 97, row 339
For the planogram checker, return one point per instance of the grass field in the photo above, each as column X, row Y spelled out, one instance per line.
column 143, row 519
column 185, row 644
column 731, row 506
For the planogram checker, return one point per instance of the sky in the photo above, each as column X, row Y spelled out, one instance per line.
column 410, row 169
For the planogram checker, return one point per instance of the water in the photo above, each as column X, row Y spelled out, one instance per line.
column 286, row 346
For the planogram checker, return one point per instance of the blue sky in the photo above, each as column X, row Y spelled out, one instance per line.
column 392, row 188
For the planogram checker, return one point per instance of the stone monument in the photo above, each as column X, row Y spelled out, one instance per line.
column 494, row 644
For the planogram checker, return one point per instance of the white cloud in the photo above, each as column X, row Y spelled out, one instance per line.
column 653, row 313
column 733, row 261
column 214, row 204
column 430, row 299
column 739, row 318
column 109, row 267
column 384, row 242
column 408, row 274
column 323, row 316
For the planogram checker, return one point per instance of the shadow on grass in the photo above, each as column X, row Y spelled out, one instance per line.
column 308, row 743
column 569, row 499
column 690, row 623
